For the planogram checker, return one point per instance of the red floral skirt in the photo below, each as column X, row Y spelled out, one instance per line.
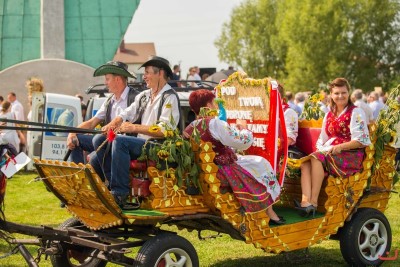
column 251, row 194
column 344, row 164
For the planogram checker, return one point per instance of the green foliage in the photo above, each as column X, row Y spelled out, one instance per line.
column 387, row 123
column 312, row 110
column 248, row 39
column 174, row 151
column 303, row 43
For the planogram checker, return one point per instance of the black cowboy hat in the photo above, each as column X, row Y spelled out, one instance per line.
column 159, row 62
column 114, row 67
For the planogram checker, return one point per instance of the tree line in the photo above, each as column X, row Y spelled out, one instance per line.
column 310, row 42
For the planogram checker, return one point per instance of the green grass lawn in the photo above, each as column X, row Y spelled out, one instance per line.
column 28, row 202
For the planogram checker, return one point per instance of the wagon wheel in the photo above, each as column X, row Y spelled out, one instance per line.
column 366, row 237
column 166, row 250
column 75, row 255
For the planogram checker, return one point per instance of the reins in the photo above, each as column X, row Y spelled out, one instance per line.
column 44, row 127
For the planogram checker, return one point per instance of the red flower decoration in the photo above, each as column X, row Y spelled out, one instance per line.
column 111, row 136
column 10, row 159
column 271, row 183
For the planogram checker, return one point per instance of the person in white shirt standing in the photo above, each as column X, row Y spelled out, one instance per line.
column 375, row 104
column 300, row 100
column 292, row 105
column 359, row 102
column 16, row 106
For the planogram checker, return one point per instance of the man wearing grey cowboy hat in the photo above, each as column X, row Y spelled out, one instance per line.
column 116, row 80
column 154, row 106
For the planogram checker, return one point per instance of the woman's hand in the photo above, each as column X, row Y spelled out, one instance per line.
column 241, row 124
column 336, row 149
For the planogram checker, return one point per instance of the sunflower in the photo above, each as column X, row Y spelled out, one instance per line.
column 154, row 129
column 163, row 154
column 212, row 113
column 179, row 143
column 169, row 133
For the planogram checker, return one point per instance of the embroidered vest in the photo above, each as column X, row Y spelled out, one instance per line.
column 339, row 127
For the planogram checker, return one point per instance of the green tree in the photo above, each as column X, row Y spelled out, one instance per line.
column 303, row 43
column 247, row 39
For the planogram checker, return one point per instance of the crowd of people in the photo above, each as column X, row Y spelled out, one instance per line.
column 132, row 115
column 371, row 103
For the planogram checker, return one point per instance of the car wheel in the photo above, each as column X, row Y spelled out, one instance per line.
column 365, row 238
column 167, row 249
column 75, row 256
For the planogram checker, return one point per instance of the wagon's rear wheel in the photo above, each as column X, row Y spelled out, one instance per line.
column 366, row 237
column 167, row 249
column 75, row 255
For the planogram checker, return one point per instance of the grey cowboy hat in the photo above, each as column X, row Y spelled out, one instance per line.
column 114, row 67
column 159, row 62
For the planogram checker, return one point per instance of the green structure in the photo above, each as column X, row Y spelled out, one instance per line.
column 92, row 29
column 19, row 31
column 59, row 41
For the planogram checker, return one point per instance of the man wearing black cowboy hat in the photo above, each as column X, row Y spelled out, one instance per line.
column 116, row 79
column 153, row 106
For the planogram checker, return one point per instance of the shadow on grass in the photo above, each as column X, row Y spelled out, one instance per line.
column 314, row 257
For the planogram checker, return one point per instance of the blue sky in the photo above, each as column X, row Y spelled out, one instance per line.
column 183, row 31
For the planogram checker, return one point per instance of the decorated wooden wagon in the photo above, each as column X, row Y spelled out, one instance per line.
column 100, row 232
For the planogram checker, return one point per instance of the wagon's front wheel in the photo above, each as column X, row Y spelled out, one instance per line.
column 165, row 250
column 74, row 255
column 365, row 238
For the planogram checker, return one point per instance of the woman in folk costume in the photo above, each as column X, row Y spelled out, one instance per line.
column 340, row 146
column 250, row 178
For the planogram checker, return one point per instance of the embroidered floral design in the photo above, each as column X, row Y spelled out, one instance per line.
column 270, row 180
column 237, row 135
column 292, row 125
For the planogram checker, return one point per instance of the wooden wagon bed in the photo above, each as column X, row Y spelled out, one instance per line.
column 88, row 199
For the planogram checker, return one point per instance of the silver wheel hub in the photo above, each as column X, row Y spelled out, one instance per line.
column 175, row 257
column 372, row 239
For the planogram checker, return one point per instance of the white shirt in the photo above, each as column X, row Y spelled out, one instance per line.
column 18, row 110
column 117, row 106
column 193, row 84
column 367, row 110
column 197, row 76
column 376, row 106
column 292, row 123
column 358, row 130
column 9, row 136
column 296, row 108
column 323, row 107
column 301, row 106
column 230, row 136
column 151, row 112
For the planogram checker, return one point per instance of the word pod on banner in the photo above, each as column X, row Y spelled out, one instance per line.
column 248, row 99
